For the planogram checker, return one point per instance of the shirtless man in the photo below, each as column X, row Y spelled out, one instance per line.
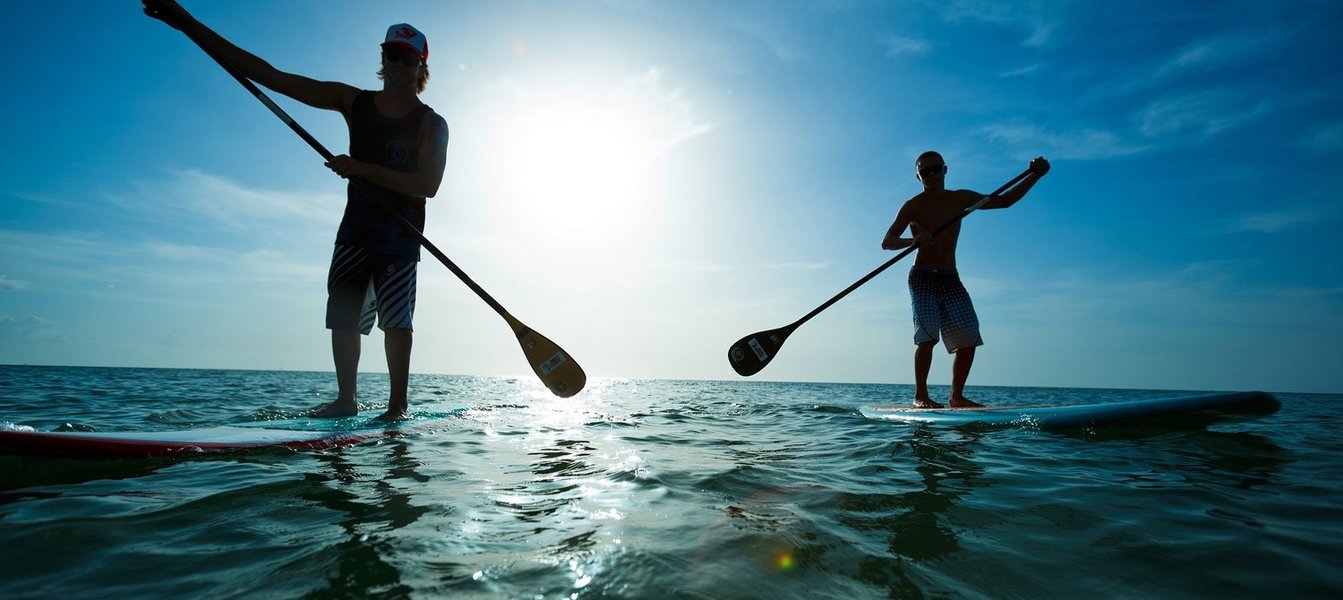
column 940, row 302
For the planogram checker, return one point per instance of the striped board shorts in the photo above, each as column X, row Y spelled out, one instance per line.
column 362, row 286
column 942, row 306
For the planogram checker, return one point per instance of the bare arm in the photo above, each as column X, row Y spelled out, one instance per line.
column 893, row 241
column 420, row 183
column 317, row 94
column 1039, row 167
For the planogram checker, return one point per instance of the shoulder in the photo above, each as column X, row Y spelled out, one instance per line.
column 918, row 198
column 915, row 202
column 353, row 97
column 966, row 197
column 434, row 125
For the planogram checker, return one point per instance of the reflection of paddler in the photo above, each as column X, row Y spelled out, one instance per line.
column 940, row 303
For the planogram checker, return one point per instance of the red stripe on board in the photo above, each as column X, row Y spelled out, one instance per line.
column 56, row 444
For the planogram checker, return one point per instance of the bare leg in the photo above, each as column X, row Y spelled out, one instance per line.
column 345, row 352
column 960, row 371
column 923, row 362
column 398, row 343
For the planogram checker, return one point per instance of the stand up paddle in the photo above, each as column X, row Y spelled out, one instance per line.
column 557, row 370
column 751, row 353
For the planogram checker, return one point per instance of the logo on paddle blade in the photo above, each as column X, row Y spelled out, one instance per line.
column 738, row 354
column 759, row 350
column 554, row 361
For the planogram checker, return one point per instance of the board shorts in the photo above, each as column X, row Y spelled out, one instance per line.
column 942, row 306
column 363, row 285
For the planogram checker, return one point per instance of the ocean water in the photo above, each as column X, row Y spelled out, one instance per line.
column 662, row 489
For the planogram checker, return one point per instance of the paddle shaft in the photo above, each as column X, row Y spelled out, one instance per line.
column 359, row 185
column 905, row 252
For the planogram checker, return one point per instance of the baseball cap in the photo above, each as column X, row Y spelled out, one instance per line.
column 408, row 38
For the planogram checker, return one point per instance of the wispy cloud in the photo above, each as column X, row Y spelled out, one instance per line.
column 1201, row 114
column 1032, row 17
column 1278, row 221
column 1021, row 71
column 1173, row 69
column 1080, row 144
column 1230, row 50
column 798, row 266
column 194, row 194
column 1223, row 291
column 31, row 329
column 897, row 46
column 1326, row 138
column 10, row 285
column 75, row 262
column 673, row 117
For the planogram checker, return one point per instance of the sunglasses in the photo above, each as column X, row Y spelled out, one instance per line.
column 932, row 170
column 405, row 58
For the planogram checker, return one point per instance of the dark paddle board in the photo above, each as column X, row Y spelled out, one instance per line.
column 303, row 433
column 1217, row 406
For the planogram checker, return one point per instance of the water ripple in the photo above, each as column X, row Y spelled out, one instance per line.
column 674, row 489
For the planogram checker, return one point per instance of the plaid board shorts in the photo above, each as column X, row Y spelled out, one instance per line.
column 941, row 305
column 362, row 286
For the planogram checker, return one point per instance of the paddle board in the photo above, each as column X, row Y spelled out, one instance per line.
column 304, row 433
column 1216, row 406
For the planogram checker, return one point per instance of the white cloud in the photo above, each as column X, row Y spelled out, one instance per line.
column 1030, row 16
column 798, row 266
column 11, row 285
column 1283, row 220
column 30, row 329
column 897, row 46
column 86, row 262
column 1081, row 144
column 672, row 116
column 1021, row 71
column 1223, row 51
column 193, row 194
column 1199, row 294
column 1202, row 114
column 1328, row 137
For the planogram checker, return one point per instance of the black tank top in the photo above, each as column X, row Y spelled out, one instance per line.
column 395, row 144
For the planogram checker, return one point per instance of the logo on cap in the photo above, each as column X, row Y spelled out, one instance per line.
column 402, row 34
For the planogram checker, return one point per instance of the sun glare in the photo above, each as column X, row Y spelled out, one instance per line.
column 576, row 164
column 568, row 167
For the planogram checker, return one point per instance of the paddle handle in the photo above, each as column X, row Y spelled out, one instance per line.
column 906, row 251
column 359, row 185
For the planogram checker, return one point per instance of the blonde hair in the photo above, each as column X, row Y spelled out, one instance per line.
column 423, row 80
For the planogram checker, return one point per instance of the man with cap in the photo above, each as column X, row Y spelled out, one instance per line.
column 398, row 150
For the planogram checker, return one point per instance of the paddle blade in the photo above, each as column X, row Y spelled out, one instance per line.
column 751, row 353
column 556, row 369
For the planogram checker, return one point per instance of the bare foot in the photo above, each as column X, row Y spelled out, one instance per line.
column 925, row 403
column 963, row 402
column 394, row 414
column 336, row 409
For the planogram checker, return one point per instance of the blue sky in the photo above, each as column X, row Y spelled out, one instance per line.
column 646, row 182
